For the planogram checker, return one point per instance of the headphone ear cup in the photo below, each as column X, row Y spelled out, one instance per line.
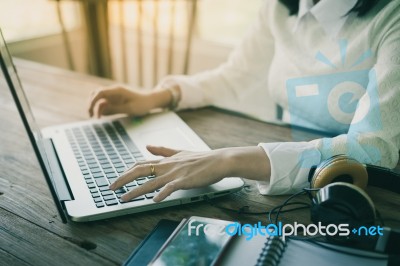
column 342, row 203
column 340, row 168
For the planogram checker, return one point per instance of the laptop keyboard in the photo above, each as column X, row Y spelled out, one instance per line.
column 103, row 152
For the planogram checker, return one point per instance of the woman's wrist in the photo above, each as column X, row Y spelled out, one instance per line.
column 248, row 162
column 167, row 97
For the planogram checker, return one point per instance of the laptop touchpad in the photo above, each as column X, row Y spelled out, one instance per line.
column 170, row 137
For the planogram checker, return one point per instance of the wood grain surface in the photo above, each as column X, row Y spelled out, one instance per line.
column 31, row 233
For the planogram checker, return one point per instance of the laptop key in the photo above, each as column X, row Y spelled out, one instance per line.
column 97, row 175
column 92, row 185
column 112, row 175
column 108, row 171
column 129, row 161
column 103, row 161
column 93, row 165
column 137, row 199
column 95, row 170
column 115, row 160
column 132, row 200
column 101, row 182
column 141, row 182
column 150, row 195
column 98, row 151
column 106, row 166
column 93, row 190
column 87, row 176
column 137, row 154
column 90, row 161
column 113, row 156
column 96, row 200
column 95, row 195
column 125, row 155
column 121, row 190
column 129, row 165
column 91, row 157
column 131, row 185
column 105, row 188
column 121, row 170
column 99, row 204
column 106, row 193
column 87, row 153
column 102, row 157
column 112, row 180
column 108, row 197
column 111, row 202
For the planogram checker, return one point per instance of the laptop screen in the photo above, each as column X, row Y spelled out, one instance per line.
column 16, row 88
column 11, row 77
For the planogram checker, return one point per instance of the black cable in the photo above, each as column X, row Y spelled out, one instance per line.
column 311, row 189
column 279, row 209
column 285, row 203
column 241, row 210
column 272, row 211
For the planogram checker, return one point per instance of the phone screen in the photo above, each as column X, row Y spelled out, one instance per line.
column 199, row 243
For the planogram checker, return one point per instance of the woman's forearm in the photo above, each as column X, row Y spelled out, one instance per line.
column 248, row 162
column 164, row 97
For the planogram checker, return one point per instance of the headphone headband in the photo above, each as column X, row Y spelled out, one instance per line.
column 383, row 178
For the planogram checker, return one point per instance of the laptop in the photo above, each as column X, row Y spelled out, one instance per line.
column 80, row 160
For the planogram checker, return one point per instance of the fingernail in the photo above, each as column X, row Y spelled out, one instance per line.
column 156, row 199
column 124, row 198
column 112, row 186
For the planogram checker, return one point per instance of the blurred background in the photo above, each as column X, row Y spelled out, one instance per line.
column 131, row 41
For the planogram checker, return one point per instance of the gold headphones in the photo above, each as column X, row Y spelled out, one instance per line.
column 340, row 182
column 338, row 194
column 339, row 168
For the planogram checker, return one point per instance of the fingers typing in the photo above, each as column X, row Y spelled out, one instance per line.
column 162, row 151
column 137, row 171
column 149, row 186
column 97, row 95
column 167, row 190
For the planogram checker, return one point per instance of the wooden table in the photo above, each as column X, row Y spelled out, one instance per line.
column 31, row 231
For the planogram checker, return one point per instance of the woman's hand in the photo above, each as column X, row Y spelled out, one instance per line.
column 186, row 170
column 121, row 100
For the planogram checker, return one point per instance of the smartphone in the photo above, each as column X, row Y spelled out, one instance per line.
column 197, row 241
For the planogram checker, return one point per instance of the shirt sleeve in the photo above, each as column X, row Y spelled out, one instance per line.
column 373, row 136
column 246, row 68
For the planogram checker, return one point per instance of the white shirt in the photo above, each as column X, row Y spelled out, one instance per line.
column 301, row 69
column 331, row 15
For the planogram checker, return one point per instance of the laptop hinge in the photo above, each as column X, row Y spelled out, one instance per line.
column 56, row 175
column 56, row 172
